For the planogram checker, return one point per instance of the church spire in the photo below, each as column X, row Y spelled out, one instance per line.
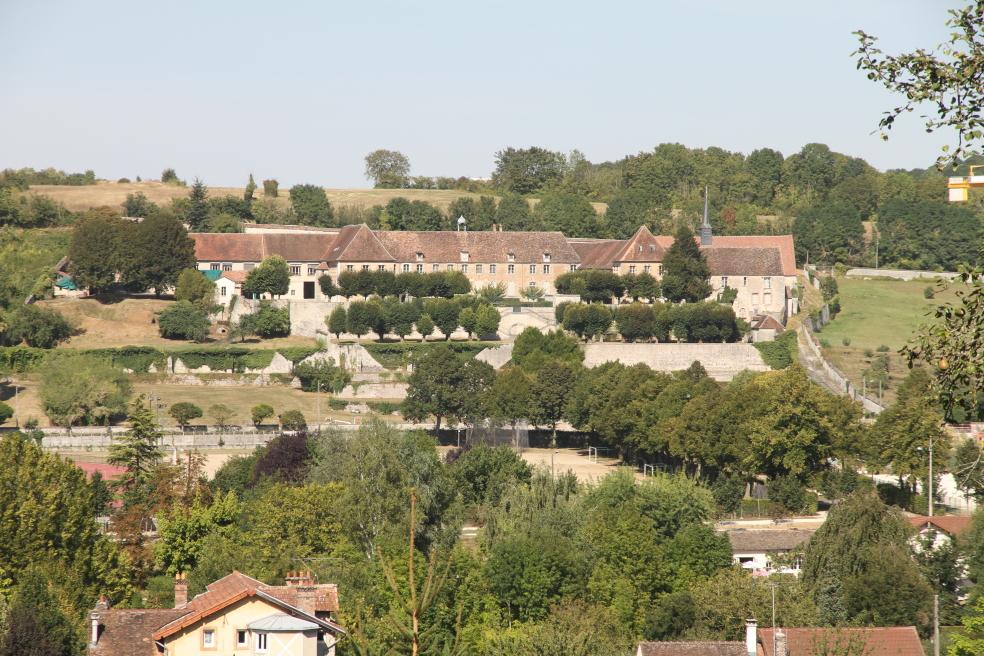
column 706, row 235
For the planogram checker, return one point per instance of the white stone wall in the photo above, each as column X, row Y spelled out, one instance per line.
column 722, row 361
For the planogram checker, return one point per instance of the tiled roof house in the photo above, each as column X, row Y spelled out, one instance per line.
column 236, row 614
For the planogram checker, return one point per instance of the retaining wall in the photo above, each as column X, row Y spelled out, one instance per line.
column 900, row 274
column 722, row 361
column 845, row 386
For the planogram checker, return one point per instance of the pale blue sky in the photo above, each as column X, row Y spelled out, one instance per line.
column 301, row 91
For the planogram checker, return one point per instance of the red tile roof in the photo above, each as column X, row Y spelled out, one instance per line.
column 876, row 641
column 235, row 276
column 241, row 247
column 481, row 246
column 642, row 247
column 357, row 243
column 128, row 631
column 953, row 525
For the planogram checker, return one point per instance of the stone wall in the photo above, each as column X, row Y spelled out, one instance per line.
column 722, row 361
column 901, row 274
column 512, row 323
column 496, row 356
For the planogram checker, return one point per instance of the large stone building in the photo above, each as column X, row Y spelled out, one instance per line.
column 761, row 269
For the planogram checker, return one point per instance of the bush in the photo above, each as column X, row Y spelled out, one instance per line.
column 293, row 420
column 258, row 413
column 39, row 327
column 268, row 321
column 781, row 352
column 883, row 349
column 790, row 493
column 846, row 341
column 184, row 320
column 184, row 412
column 193, row 286
column 493, row 293
column 929, row 292
column 533, row 293
column 286, row 457
column 322, row 376
column 6, row 412
column 868, row 353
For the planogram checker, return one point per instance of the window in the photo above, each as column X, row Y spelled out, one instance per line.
column 744, row 281
column 420, row 268
column 349, row 267
column 767, row 282
column 724, row 281
column 573, row 267
column 478, row 268
column 464, row 268
column 755, row 301
column 365, row 267
column 295, row 269
column 261, row 642
column 222, row 291
column 646, row 268
column 249, row 266
column 436, row 267
column 632, row 268
column 292, row 292
column 381, row 267
column 406, row 268
column 420, row 256
column 312, row 270
column 510, row 257
column 546, row 268
column 659, row 269
column 491, row 268
column 214, row 266
column 767, row 298
column 532, row 269
column 450, row 267
column 208, row 638
column 546, row 257
column 241, row 638
column 226, row 266
column 511, row 268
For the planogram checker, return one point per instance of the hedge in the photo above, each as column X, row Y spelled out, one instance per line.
column 781, row 352
column 393, row 355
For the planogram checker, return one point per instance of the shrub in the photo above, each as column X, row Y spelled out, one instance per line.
column 883, row 349
column 322, row 375
column 184, row 412
column 184, row 320
column 270, row 188
column 868, row 353
column 929, row 292
column 195, row 287
column 824, row 343
column 780, row 352
column 39, row 327
column 286, row 457
column 260, row 412
column 293, row 420
column 6, row 412
column 846, row 341
column 221, row 413
column 268, row 321
column 493, row 293
column 790, row 493
column 123, row 181
column 532, row 293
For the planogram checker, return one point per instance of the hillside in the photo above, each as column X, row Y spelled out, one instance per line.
column 80, row 198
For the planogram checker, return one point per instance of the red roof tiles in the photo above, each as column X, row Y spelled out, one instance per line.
column 870, row 641
column 953, row 525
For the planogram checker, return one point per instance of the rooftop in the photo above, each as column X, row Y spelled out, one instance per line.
column 869, row 641
column 694, row 648
column 750, row 540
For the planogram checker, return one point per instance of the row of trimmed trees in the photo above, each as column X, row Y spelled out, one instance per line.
column 642, row 322
column 388, row 315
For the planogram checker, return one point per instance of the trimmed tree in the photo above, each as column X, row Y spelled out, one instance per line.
column 486, row 320
column 271, row 276
column 337, row 322
column 260, row 412
column 220, row 413
column 425, row 326
column 184, row 320
column 293, row 420
column 685, row 270
column 184, row 412
column 358, row 318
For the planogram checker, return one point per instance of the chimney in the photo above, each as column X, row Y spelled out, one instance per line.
column 780, row 640
column 751, row 637
column 307, row 592
column 94, row 617
column 180, row 590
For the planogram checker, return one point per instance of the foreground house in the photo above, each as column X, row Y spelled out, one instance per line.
column 814, row 641
column 235, row 615
column 761, row 269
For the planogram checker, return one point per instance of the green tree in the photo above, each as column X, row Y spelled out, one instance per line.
column 168, row 176
column 445, row 385
column 487, row 320
column 271, row 276
column 970, row 640
column 311, row 206
column 628, row 209
column 323, row 375
column 513, row 213
column 6, row 412
column 483, row 474
column 359, row 318
column 183, row 412
column 549, row 393
column 444, row 313
column 160, row 250
column 250, row 189
column 261, row 412
column 82, row 389
column 467, row 320
column 400, row 317
column 184, row 320
column 221, row 413
column 387, row 168
column 425, row 326
column 270, row 188
column 195, row 288
column 950, row 82
column 527, row 170
column 508, row 397
column 96, row 250
column 327, row 285
column 138, row 205
column 685, row 270
column 225, row 223
column 139, row 448
column 413, row 215
column 197, row 215
column 182, row 531
column 293, row 420
column 38, row 326
column 37, row 626
column 337, row 322
column 636, row 321
column 570, row 214
column 268, row 321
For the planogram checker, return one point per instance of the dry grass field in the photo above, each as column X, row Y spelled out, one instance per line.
column 130, row 322
column 114, row 193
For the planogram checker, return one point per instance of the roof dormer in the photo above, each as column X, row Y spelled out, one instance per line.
column 420, row 256
column 463, row 256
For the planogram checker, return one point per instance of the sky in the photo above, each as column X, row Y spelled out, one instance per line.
column 302, row 91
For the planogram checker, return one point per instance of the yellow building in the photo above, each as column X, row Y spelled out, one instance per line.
column 236, row 616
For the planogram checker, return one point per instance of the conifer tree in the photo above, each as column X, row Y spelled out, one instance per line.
column 198, row 210
column 138, row 449
column 685, row 270
column 36, row 625
column 250, row 189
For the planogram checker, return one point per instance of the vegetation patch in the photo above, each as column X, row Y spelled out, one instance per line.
column 781, row 352
column 397, row 354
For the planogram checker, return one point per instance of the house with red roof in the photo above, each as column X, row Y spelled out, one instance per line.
column 235, row 615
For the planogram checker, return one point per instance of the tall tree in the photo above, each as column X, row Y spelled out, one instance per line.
column 567, row 213
column 139, row 448
column 387, row 168
column 685, row 270
column 311, row 205
column 526, row 170
column 37, row 626
column 250, row 189
column 444, row 385
column 513, row 213
column 96, row 251
column 952, row 82
column 197, row 216
column 271, row 276
column 159, row 249
column 549, row 392
column 509, row 398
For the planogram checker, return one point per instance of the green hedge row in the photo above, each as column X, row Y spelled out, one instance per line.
column 781, row 352
column 22, row 359
column 393, row 355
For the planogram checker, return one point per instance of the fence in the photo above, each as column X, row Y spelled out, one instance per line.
column 846, row 387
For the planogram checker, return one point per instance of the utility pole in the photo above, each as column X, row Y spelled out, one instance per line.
column 936, row 625
column 930, row 483
column 318, row 397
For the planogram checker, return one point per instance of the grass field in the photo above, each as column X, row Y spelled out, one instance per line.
column 877, row 313
column 79, row 198
column 128, row 322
